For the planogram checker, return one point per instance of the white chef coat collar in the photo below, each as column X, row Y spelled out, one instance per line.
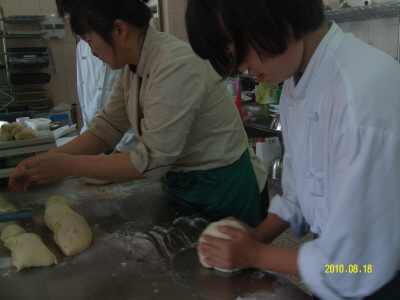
column 316, row 64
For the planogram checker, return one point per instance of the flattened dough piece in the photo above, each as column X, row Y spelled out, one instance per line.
column 11, row 231
column 211, row 229
column 28, row 249
column 71, row 231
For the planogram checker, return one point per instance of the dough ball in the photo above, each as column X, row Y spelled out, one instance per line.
column 25, row 134
column 6, row 132
column 71, row 231
column 28, row 250
column 11, row 231
column 211, row 229
column 57, row 200
column 95, row 181
column 17, row 129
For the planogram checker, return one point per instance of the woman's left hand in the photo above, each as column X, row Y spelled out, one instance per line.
column 237, row 253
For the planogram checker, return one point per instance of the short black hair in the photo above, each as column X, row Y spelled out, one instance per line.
column 99, row 16
column 266, row 25
column 63, row 7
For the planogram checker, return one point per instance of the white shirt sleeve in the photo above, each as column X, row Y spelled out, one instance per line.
column 363, row 226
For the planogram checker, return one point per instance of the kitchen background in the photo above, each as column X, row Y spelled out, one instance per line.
column 380, row 33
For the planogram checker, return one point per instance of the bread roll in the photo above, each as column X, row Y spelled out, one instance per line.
column 71, row 231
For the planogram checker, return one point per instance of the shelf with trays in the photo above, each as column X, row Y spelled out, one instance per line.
column 22, row 77
column 366, row 12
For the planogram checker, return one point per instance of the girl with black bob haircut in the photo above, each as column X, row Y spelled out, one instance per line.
column 212, row 25
column 339, row 111
column 190, row 134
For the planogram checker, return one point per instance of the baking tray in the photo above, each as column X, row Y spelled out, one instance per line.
column 27, row 49
column 31, row 78
column 29, row 61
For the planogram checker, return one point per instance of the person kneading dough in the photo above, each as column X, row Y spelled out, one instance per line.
column 27, row 249
column 71, row 231
column 212, row 229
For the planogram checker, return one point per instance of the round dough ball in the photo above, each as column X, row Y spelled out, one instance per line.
column 11, row 231
column 211, row 229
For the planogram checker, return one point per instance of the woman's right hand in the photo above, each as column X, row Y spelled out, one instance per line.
column 18, row 181
column 254, row 232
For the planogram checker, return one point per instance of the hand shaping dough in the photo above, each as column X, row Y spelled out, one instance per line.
column 28, row 249
column 211, row 229
column 71, row 231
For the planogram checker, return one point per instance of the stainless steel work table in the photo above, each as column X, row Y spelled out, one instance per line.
column 144, row 247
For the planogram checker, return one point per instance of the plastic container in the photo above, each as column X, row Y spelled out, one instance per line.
column 268, row 149
column 22, row 120
column 38, row 124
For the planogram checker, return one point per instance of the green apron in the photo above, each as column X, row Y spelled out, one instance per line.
column 219, row 193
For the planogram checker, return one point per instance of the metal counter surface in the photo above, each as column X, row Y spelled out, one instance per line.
column 144, row 247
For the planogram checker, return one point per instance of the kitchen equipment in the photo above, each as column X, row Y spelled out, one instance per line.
column 31, row 78
column 267, row 149
column 27, row 49
column 276, row 123
column 18, row 215
column 38, row 124
column 252, row 112
column 13, row 152
column 29, row 61
column 275, row 169
column 11, row 113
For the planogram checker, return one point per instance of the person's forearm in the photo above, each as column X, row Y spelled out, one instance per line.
column 116, row 167
column 277, row 259
column 86, row 143
column 270, row 228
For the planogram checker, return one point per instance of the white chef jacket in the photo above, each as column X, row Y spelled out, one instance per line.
column 341, row 169
column 95, row 81
column 180, row 109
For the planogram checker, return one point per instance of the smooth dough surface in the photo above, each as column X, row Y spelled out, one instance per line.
column 211, row 229
column 25, row 134
column 27, row 249
column 71, row 231
column 95, row 181
column 11, row 231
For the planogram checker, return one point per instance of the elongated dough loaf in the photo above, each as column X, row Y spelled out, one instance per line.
column 71, row 231
column 28, row 249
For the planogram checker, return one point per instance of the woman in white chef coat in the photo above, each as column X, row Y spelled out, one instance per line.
column 340, row 108
column 190, row 134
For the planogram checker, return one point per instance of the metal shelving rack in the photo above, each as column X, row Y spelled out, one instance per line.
column 35, row 96
column 368, row 12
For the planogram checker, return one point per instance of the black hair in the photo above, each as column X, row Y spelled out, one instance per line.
column 99, row 16
column 266, row 25
column 64, row 6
